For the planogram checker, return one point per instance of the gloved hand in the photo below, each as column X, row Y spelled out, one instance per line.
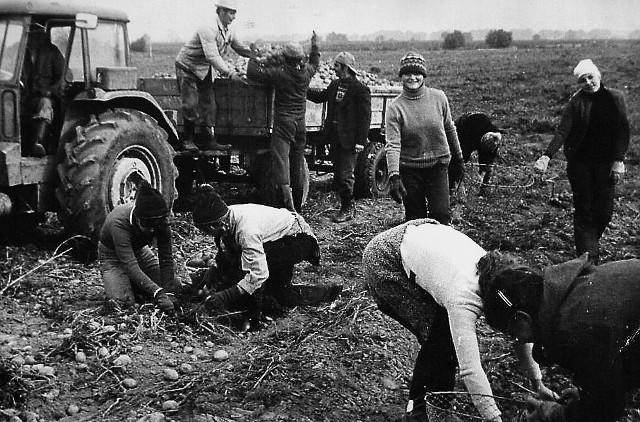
column 569, row 395
column 397, row 190
column 617, row 171
column 540, row 166
column 225, row 300
column 163, row 302
column 176, row 302
column 543, row 411
column 237, row 78
column 457, row 170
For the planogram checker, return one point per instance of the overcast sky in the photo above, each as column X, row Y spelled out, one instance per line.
column 161, row 18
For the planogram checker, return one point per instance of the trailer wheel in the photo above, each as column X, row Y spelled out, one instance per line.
column 262, row 177
column 100, row 163
column 371, row 173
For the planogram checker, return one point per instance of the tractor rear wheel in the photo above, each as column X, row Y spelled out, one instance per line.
column 101, row 163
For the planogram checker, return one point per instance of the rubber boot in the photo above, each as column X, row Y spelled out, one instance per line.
column 186, row 141
column 347, row 210
column 287, row 197
column 34, row 146
column 212, row 145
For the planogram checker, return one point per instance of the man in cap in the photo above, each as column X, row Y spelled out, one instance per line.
column 129, row 268
column 346, row 125
column 258, row 247
column 199, row 62
column 291, row 83
column 42, row 79
column 594, row 130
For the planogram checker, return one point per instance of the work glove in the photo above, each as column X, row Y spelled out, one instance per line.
column 569, row 395
column 617, row 171
column 397, row 190
column 163, row 302
column 543, row 411
column 457, row 170
column 540, row 166
column 175, row 301
column 225, row 300
column 237, row 78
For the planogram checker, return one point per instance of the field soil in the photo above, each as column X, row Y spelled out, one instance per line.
column 65, row 355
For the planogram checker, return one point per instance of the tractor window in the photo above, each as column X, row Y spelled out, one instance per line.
column 10, row 35
column 107, row 45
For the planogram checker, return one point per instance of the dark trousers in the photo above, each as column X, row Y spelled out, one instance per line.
column 344, row 164
column 287, row 156
column 593, row 192
column 427, row 193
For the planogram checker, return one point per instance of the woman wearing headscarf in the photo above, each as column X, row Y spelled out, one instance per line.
column 594, row 131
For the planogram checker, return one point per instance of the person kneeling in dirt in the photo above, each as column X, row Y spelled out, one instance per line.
column 130, row 270
column 258, row 247
column 582, row 317
column 425, row 276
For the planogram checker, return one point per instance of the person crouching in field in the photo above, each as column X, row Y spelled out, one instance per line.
column 130, row 270
column 476, row 132
column 258, row 247
column 425, row 275
column 421, row 143
column 584, row 318
column 594, row 130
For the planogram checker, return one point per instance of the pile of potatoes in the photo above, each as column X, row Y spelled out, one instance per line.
column 322, row 78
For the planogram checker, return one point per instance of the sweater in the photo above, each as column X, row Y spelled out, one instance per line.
column 444, row 262
column 209, row 47
column 121, row 235
column 419, row 131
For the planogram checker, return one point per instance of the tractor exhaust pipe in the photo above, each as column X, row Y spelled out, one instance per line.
column 5, row 204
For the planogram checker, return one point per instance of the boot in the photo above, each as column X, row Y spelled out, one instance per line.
column 186, row 141
column 287, row 197
column 212, row 145
column 34, row 145
column 346, row 212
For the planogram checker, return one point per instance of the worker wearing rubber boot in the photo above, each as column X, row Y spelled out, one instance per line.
column 258, row 247
column 289, row 137
column 42, row 80
column 346, row 125
column 199, row 62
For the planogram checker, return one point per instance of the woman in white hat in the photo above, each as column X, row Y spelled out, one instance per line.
column 594, row 131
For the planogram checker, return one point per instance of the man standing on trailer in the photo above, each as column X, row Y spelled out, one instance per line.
column 199, row 61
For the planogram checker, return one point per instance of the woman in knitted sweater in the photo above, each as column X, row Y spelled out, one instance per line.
column 425, row 275
column 421, row 140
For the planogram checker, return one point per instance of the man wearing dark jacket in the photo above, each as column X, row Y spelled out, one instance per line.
column 581, row 317
column 289, row 137
column 346, row 125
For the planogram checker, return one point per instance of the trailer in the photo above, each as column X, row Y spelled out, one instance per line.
column 245, row 121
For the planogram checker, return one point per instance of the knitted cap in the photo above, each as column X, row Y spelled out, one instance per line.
column 413, row 63
column 585, row 66
column 208, row 207
column 149, row 203
column 346, row 59
column 293, row 51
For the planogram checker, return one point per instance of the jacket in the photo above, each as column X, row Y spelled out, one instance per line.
column 575, row 121
column 209, row 48
column 44, row 76
column 291, row 84
column 586, row 316
column 347, row 121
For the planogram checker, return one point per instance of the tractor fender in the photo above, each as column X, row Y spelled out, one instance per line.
column 84, row 105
